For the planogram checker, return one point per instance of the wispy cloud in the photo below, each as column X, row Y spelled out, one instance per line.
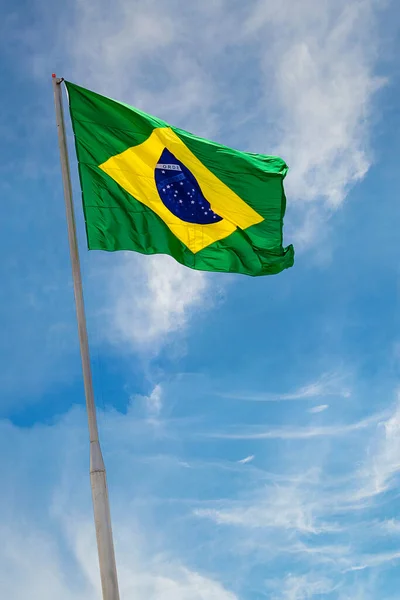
column 375, row 560
column 297, row 433
column 328, row 384
column 304, row 515
column 318, row 409
column 246, row 460
column 390, row 526
column 383, row 464
column 286, row 507
column 302, row 587
column 319, row 515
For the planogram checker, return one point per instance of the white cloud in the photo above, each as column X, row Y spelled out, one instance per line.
column 48, row 545
column 246, row 460
column 391, row 526
column 114, row 52
column 318, row 409
column 319, row 515
column 154, row 400
column 383, row 462
column 153, row 403
column 297, row 433
column 375, row 560
column 319, row 60
column 328, row 384
column 31, row 566
column 147, row 300
column 300, row 516
column 289, row 507
column 303, row 587
column 67, row 569
column 183, row 584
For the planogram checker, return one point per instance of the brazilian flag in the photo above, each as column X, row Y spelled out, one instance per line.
column 157, row 189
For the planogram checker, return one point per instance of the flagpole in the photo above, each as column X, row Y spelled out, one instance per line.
column 101, row 507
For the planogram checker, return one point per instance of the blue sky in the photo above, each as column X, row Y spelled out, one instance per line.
column 250, row 426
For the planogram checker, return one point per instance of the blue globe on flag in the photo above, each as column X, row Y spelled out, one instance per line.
column 180, row 192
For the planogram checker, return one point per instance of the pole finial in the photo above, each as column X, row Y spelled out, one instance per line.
column 53, row 75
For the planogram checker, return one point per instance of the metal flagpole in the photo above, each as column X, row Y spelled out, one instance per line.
column 101, row 508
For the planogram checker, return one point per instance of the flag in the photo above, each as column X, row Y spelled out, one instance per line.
column 156, row 189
